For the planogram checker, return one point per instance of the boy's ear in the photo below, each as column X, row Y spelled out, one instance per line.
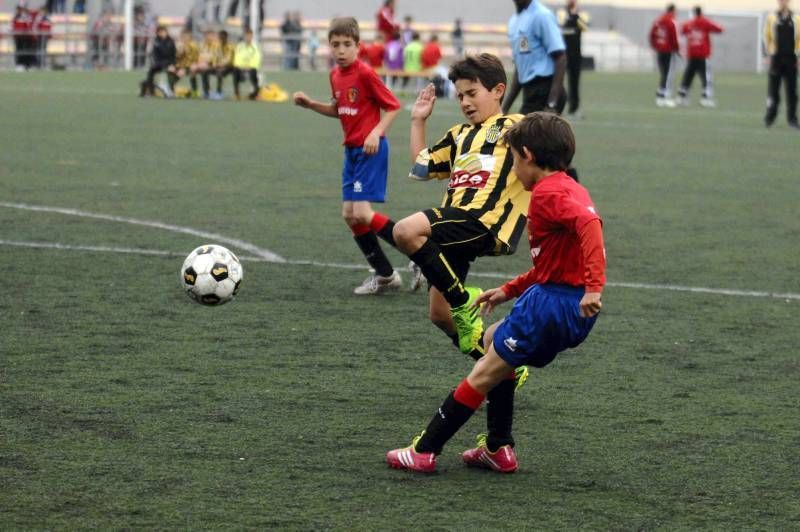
column 499, row 90
column 528, row 156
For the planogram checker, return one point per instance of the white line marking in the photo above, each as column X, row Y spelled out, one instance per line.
column 247, row 246
column 488, row 275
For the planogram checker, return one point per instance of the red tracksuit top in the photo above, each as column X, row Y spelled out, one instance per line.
column 664, row 34
column 698, row 42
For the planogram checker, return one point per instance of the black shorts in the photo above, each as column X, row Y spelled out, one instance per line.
column 535, row 94
column 462, row 237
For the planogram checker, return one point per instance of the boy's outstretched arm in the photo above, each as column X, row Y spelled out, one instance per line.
column 373, row 139
column 420, row 112
column 326, row 109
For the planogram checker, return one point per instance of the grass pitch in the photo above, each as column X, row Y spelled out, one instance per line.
column 125, row 405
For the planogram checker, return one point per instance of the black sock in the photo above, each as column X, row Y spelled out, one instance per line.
column 439, row 273
column 450, row 417
column 369, row 246
column 385, row 233
column 500, row 414
column 193, row 83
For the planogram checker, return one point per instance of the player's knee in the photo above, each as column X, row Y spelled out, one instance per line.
column 404, row 233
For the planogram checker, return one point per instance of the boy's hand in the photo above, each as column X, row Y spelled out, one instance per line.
column 423, row 107
column 490, row 299
column 371, row 143
column 301, row 99
column 590, row 304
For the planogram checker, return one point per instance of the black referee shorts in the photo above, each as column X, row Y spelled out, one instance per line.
column 461, row 236
column 535, row 94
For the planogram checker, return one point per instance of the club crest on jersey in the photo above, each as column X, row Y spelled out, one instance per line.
column 352, row 94
column 493, row 134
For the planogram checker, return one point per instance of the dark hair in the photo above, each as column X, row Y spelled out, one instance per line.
column 547, row 136
column 161, row 27
column 671, row 8
column 344, row 27
column 248, row 30
column 223, row 34
column 698, row 11
column 485, row 68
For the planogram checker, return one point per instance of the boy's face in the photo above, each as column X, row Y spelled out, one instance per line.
column 248, row 37
column 162, row 34
column 524, row 167
column 186, row 37
column 344, row 50
column 477, row 102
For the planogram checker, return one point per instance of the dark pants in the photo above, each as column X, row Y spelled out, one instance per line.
column 573, row 82
column 535, row 95
column 782, row 68
column 699, row 67
column 221, row 73
column 238, row 77
column 148, row 87
column 665, row 60
column 25, row 50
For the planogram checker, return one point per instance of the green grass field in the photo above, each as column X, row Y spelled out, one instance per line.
column 125, row 405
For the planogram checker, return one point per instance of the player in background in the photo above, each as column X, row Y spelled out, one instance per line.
column 163, row 60
column 186, row 62
column 698, row 50
column 557, row 300
column 385, row 22
column 246, row 63
column 207, row 62
column 573, row 23
column 224, row 63
column 359, row 96
column 483, row 210
column 664, row 40
column 782, row 44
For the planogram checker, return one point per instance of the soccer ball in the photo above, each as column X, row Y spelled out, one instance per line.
column 211, row 275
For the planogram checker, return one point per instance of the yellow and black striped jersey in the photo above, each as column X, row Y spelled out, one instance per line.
column 188, row 54
column 478, row 164
column 209, row 53
column 226, row 52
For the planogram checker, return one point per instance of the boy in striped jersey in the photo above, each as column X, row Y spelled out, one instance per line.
column 483, row 211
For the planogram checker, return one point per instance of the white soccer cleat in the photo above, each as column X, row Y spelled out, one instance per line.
column 376, row 284
column 416, row 276
column 708, row 102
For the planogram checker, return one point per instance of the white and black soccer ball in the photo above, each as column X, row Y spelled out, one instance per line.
column 211, row 274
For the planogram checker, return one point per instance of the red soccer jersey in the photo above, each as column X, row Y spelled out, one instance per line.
column 698, row 42
column 562, row 252
column 359, row 96
column 385, row 23
column 431, row 55
column 374, row 54
column 664, row 34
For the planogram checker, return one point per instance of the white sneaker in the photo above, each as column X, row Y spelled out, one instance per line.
column 376, row 284
column 416, row 276
column 669, row 102
column 708, row 102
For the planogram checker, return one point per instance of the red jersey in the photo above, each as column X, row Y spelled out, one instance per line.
column 431, row 55
column 374, row 54
column 22, row 23
column 664, row 34
column 359, row 96
column 698, row 42
column 565, row 247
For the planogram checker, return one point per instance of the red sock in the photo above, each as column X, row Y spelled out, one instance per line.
column 468, row 396
column 378, row 221
column 360, row 229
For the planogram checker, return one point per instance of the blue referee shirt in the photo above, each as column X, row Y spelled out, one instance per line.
column 534, row 35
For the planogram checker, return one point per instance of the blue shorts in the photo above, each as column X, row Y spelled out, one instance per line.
column 364, row 176
column 545, row 320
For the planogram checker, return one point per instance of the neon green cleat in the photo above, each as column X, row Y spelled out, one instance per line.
column 520, row 376
column 468, row 322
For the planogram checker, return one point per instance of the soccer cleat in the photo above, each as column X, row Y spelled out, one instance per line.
column 708, row 102
column 468, row 322
column 416, row 276
column 520, row 377
column 408, row 458
column 503, row 460
column 377, row 284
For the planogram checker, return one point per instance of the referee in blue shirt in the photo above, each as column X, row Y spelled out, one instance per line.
column 539, row 59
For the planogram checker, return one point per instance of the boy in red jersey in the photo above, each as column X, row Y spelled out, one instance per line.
column 664, row 40
column 358, row 98
column 698, row 50
column 557, row 300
